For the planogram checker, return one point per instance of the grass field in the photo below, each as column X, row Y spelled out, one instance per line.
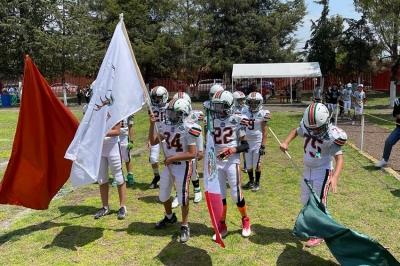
column 66, row 234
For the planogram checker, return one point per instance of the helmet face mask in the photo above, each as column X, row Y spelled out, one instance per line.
column 176, row 111
column 239, row 98
column 222, row 105
column 174, row 117
column 159, row 96
column 240, row 102
column 254, row 101
column 316, row 121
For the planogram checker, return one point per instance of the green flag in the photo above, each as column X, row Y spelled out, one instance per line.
column 349, row 247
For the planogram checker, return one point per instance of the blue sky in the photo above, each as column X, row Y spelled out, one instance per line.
column 343, row 7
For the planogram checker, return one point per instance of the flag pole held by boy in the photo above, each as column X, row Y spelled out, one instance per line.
column 118, row 93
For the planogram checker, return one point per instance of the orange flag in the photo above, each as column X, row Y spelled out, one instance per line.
column 37, row 168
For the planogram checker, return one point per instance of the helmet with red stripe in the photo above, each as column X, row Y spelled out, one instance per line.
column 159, row 96
column 222, row 105
column 214, row 89
column 254, row 101
column 239, row 98
column 316, row 120
column 177, row 110
column 182, row 95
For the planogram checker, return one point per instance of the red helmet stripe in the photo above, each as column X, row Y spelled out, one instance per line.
column 311, row 114
column 218, row 94
column 171, row 103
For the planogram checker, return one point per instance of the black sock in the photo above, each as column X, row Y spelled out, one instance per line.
column 196, row 183
column 156, row 178
column 251, row 175
column 258, row 176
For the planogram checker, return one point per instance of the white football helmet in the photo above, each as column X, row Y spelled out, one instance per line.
column 159, row 96
column 316, row 120
column 182, row 95
column 214, row 89
column 239, row 98
column 176, row 111
column 348, row 85
column 222, row 105
column 254, row 101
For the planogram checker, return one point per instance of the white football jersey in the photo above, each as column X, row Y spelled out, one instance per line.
column 179, row 137
column 125, row 123
column 227, row 133
column 254, row 128
column 159, row 113
column 318, row 154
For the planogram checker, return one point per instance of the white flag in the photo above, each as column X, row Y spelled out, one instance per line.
column 117, row 93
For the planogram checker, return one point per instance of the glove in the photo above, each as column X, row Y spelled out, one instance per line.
column 130, row 145
column 224, row 154
column 261, row 151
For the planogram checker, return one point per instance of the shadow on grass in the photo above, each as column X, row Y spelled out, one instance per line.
column 371, row 168
column 79, row 211
column 17, row 234
column 183, row 255
column 293, row 254
column 396, row 192
column 142, row 186
column 150, row 199
column 75, row 236
column 140, row 228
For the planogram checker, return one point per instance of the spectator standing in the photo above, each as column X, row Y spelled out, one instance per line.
column 341, row 102
column 273, row 96
column 347, row 95
column 299, row 89
column 358, row 97
column 88, row 94
column 79, row 95
column 393, row 138
column 294, row 92
column 317, row 93
column 264, row 93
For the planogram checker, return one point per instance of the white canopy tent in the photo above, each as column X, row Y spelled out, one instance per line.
column 277, row 70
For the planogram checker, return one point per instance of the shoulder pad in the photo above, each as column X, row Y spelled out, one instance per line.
column 266, row 115
column 193, row 129
column 339, row 136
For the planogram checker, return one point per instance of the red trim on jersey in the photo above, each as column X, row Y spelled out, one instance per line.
column 340, row 142
column 195, row 131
